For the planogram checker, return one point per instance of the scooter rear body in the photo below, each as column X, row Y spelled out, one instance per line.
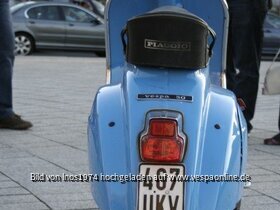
column 208, row 119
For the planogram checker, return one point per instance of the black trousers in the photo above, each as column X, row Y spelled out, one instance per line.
column 244, row 51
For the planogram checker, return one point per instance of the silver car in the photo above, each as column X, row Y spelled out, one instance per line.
column 271, row 41
column 56, row 26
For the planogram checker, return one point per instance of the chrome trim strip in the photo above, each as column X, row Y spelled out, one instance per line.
column 225, row 40
column 107, row 42
column 108, row 76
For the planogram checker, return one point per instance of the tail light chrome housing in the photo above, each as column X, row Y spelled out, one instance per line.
column 163, row 138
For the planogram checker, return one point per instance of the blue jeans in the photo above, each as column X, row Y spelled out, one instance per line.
column 6, row 60
column 244, row 50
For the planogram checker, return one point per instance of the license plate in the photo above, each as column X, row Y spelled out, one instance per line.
column 162, row 193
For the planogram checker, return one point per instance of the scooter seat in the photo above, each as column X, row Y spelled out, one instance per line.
column 169, row 37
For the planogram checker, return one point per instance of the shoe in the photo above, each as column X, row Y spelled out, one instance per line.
column 271, row 141
column 15, row 122
column 275, row 140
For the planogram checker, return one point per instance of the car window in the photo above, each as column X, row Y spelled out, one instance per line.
column 273, row 20
column 44, row 13
column 77, row 15
column 17, row 7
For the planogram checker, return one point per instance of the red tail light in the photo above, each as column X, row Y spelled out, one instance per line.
column 162, row 142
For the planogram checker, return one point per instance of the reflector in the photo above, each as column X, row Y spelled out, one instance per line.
column 163, row 127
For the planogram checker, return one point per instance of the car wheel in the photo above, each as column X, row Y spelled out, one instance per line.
column 24, row 44
column 101, row 53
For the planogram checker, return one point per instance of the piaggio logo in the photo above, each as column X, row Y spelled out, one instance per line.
column 164, row 45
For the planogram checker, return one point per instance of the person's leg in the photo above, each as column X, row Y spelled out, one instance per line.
column 8, row 119
column 6, row 60
column 245, row 38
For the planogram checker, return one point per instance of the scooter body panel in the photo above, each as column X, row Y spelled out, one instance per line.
column 211, row 121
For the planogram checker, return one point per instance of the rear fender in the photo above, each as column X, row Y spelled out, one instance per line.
column 220, row 152
column 107, row 131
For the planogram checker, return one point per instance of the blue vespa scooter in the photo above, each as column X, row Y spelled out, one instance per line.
column 164, row 124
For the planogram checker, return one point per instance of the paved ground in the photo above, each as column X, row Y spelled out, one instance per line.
column 55, row 93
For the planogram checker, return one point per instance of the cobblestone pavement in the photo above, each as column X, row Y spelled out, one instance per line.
column 56, row 93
